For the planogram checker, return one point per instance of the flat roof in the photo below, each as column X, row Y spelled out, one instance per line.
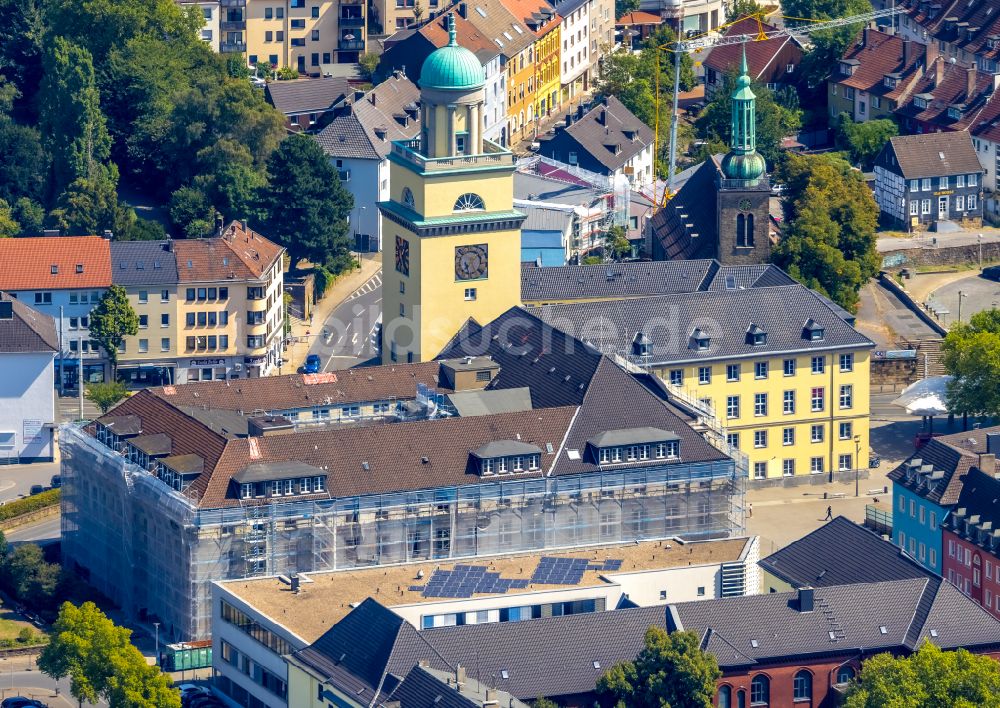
column 328, row 598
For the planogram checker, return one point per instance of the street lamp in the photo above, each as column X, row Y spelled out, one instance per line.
column 857, row 463
column 156, row 627
column 960, row 296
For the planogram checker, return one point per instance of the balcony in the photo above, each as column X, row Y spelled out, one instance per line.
column 233, row 3
column 352, row 44
column 232, row 47
column 352, row 21
column 494, row 156
column 761, row 184
column 233, row 25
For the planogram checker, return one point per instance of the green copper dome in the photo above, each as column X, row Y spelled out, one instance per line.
column 749, row 166
column 452, row 67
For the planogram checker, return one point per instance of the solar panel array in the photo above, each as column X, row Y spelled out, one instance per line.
column 469, row 580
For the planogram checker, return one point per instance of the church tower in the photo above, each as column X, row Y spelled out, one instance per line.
column 743, row 188
column 452, row 246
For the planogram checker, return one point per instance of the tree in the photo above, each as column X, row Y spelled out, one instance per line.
column 30, row 576
column 829, row 240
column 930, row 677
column 671, row 670
column 616, row 243
column 287, row 73
column 102, row 663
column 864, row 141
column 72, row 124
column 972, row 356
column 739, row 9
column 305, row 204
column 21, row 47
column 91, row 206
column 418, row 12
column 191, row 213
column 106, row 395
column 544, row 703
column 29, row 215
column 112, row 320
column 25, row 162
column 368, row 63
column 623, row 7
column 8, row 225
column 775, row 119
column 229, row 179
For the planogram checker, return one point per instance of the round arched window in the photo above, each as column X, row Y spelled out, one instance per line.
column 469, row 202
column 407, row 197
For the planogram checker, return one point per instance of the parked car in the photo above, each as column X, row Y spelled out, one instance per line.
column 312, row 364
column 874, row 461
column 992, row 273
column 22, row 702
column 36, row 489
column 205, row 700
column 56, row 481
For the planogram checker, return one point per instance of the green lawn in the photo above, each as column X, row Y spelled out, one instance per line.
column 10, row 627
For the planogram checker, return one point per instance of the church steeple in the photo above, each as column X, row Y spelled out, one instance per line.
column 742, row 162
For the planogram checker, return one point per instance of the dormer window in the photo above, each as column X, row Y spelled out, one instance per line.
column 992, row 41
column 756, row 336
column 641, row 346
column 889, row 81
column 506, row 457
column 813, row 331
column 955, row 112
column 633, row 445
column 848, row 67
column 920, row 102
column 700, row 341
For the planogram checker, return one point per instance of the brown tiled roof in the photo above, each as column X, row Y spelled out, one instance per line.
column 467, row 35
column 638, row 18
column 951, row 90
column 79, row 261
column 497, row 22
column 760, row 54
column 28, row 330
column 529, row 11
column 275, row 393
column 987, row 124
column 953, row 456
column 879, row 54
column 239, row 254
column 935, row 154
column 980, row 15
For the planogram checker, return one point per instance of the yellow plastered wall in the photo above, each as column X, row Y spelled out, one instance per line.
column 802, row 449
column 436, row 196
column 154, row 308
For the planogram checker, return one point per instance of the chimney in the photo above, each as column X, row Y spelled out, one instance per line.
column 996, row 81
column 866, row 37
column 930, row 55
column 358, row 95
column 970, row 83
column 295, row 583
column 108, row 234
column 371, row 97
column 993, row 443
column 938, row 71
column 491, row 697
column 988, row 462
column 909, row 47
column 806, row 599
column 462, row 10
column 460, row 676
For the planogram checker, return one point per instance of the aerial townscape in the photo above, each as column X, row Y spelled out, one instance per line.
column 499, row 353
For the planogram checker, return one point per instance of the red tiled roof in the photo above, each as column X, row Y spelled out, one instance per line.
column 987, row 124
column 79, row 262
column 468, row 36
column 240, row 254
column 760, row 54
column 639, row 18
column 524, row 9
column 879, row 54
column 951, row 90
column 982, row 16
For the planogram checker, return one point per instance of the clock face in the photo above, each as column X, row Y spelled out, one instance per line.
column 402, row 256
column 745, row 205
column 471, row 262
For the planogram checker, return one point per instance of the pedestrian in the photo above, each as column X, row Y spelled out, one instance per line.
column 750, row 509
column 876, row 500
column 829, row 513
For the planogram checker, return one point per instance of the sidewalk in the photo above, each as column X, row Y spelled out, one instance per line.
column 303, row 331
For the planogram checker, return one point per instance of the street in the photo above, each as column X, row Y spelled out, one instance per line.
column 977, row 293
column 347, row 337
column 20, row 677
column 16, row 480
column 42, row 532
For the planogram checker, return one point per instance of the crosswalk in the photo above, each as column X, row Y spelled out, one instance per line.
column 373, row 283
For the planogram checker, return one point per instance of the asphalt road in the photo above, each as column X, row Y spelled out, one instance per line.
column 16, row 480
column 45, row 531
column 347, row 338
column 978, row 293
column 35, row 684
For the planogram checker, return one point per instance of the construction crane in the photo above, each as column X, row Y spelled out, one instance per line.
column 705, row 41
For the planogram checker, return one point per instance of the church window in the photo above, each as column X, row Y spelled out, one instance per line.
column 469, row 202
column 408, row 197
column 744, row 230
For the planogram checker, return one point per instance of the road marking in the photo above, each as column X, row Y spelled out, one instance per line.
column 354, row 339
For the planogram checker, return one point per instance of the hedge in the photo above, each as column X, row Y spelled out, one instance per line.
column 20, row 507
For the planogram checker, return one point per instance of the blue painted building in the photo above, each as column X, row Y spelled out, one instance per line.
column 926, row 486
column 546, row 235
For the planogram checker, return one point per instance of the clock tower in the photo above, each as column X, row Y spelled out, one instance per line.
column 452, row 245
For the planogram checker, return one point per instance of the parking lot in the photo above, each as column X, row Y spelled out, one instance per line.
column 978, row 293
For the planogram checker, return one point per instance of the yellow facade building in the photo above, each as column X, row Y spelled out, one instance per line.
column 295, row 33
column 209, row 309
column 452, row 235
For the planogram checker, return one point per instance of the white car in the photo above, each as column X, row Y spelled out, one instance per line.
column 258, row 82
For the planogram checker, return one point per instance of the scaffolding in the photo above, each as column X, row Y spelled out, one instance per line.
column 154, row 552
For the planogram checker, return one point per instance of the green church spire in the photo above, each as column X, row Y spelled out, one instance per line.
column 743, row 162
